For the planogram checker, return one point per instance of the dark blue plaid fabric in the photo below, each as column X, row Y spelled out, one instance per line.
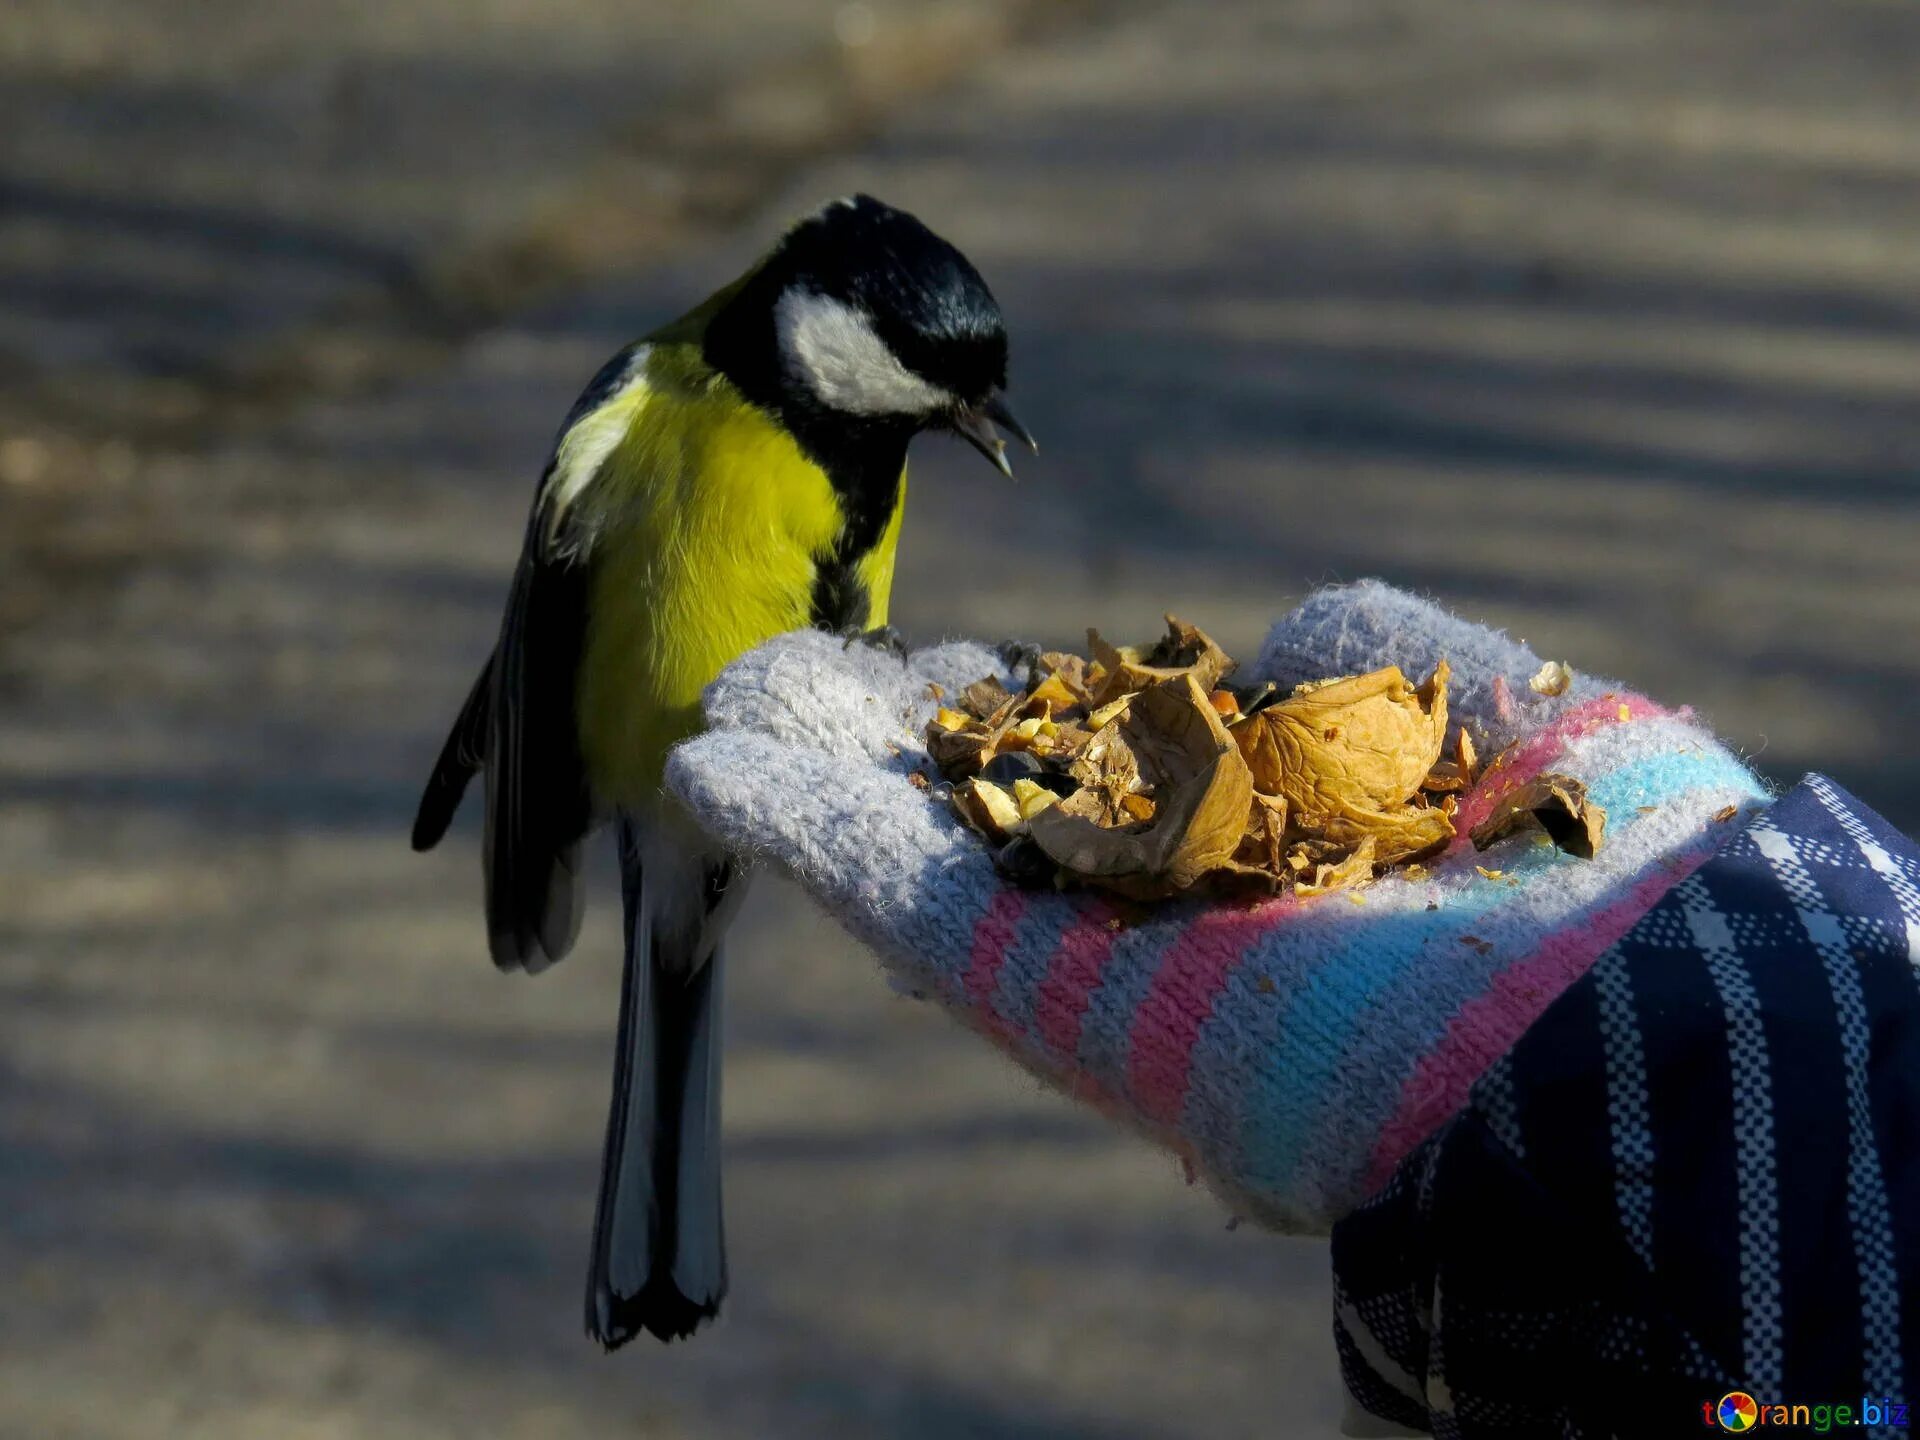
column 1698, row 1172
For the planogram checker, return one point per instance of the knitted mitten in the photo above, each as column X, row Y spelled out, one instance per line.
column 1292, row 1051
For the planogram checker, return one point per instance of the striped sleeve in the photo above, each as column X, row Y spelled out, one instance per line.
column 1697, row 1173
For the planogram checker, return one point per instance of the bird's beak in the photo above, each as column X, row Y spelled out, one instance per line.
column 975, row 426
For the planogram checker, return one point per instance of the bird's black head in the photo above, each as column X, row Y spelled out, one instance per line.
column 862, row 329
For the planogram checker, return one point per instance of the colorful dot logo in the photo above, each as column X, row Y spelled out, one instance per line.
column 1738, row 1412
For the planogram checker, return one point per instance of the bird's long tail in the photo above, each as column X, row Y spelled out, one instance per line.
column 659, row 1250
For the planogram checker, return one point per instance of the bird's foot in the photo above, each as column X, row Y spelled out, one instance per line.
column 881, row 637
column 1023, row 660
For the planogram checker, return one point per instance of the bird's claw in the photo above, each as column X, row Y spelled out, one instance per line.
column 1023, row 659
column 881, row 637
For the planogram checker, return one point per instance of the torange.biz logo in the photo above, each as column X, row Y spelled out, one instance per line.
column 1739, row 1412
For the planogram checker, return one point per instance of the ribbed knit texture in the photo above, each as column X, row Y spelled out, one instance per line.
column 1294, row 1050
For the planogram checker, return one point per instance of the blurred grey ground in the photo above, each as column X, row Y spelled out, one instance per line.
column 1598, row 321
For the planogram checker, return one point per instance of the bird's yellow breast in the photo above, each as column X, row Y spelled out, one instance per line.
column 707, row 523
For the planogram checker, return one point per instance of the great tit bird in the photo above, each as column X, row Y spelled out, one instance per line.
column 736, row 474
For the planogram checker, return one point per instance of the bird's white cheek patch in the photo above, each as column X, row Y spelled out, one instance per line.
column 832, row 348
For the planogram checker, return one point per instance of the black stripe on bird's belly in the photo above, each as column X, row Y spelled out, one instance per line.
column 840, row 601
column 867, row 479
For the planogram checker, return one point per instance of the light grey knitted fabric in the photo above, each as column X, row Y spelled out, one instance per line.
column 1291, row 1051
column 1350, row 629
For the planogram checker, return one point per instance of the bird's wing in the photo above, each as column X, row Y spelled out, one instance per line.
column 465, row 752
column 539, row 807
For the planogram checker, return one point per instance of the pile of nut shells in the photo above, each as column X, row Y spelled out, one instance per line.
column 1142, row 772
